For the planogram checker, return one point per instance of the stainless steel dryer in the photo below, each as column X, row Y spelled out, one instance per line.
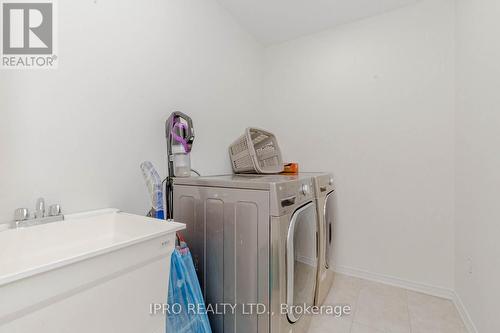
column 254, row 239
column 325, row 200
column 324, row 192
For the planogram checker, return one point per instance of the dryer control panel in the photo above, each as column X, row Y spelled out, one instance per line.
column 290, row 195
column 324, row 184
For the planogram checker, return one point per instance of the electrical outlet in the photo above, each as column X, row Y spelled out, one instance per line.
column 469, row 265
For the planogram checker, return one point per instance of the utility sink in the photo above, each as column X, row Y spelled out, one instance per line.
column 112, row 264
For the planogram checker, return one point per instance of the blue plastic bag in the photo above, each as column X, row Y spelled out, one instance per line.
column 184, row 295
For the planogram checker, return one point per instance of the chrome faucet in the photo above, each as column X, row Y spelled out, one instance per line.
column 40, row 208
column 22, row 215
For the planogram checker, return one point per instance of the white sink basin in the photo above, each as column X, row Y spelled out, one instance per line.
column 46, row 269
column 32, row 250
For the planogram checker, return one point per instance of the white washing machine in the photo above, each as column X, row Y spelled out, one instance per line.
column 254, row 239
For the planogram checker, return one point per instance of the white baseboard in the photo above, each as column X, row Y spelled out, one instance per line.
column 397, row 282
column 462, row 310
column 414, row 286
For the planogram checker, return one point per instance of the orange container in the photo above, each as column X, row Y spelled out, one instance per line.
column 291, row 169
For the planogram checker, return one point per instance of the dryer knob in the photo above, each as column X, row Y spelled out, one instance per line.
column 330, row 182
column 305, row 189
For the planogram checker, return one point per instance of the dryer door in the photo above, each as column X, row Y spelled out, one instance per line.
column 329, row 214
column 302, row 260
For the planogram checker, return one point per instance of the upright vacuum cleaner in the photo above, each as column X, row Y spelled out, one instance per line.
column 184, row 287
column 180, row 136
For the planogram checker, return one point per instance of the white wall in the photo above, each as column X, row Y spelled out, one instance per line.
column 373, row 101
column 77, row 135
column 478, row 161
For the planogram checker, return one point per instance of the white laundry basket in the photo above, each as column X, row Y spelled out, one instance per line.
column 256, row 151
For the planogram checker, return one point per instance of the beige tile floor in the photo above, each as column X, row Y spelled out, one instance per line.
column 379, row 308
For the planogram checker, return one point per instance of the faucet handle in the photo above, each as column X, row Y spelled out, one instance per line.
column 40, row 208
column 55, row 210
column 21, row 214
